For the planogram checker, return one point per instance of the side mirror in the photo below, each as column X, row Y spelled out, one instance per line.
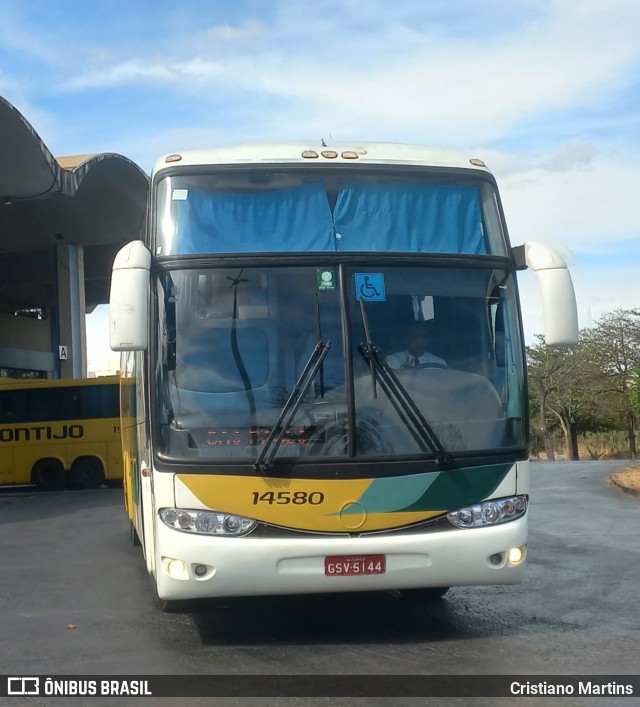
column 129, row 298
column 559, row 308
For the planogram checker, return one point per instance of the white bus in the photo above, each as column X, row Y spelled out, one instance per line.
column 276, row 439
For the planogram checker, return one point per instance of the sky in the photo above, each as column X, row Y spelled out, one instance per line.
column 546, row 92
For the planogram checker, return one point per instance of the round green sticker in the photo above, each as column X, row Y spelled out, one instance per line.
column 326, row 280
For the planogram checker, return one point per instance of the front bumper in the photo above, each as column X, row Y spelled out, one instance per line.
column 246, row 566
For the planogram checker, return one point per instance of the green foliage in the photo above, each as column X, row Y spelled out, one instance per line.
column 590, row 389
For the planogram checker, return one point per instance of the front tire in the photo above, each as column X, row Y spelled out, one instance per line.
column 133, row 535
column 170, row 606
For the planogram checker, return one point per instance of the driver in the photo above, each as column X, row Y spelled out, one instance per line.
column 415, row 353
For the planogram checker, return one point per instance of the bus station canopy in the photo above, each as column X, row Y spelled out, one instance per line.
column 96, row 201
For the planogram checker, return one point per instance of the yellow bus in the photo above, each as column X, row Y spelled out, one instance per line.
column 60, row 433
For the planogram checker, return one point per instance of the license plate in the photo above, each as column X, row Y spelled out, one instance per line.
column 346, row 566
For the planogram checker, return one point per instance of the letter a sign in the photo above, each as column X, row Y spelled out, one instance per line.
column 63, row 353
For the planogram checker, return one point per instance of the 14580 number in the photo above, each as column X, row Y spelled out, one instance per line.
column 298, row 498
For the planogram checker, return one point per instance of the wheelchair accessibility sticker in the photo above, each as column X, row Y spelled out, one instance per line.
column 370, row 287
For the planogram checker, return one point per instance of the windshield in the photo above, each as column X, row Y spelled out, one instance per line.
column 449, row 340
column 243, row 351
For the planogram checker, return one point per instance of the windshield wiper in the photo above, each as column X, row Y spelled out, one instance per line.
column 265, row 459
column 397, row 394
column 404, row 404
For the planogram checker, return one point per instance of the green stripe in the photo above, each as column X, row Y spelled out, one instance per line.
column 461, row 487
column 433, row 491
column 395, row 492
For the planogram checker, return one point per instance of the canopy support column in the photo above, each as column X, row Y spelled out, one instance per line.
column 71, row 311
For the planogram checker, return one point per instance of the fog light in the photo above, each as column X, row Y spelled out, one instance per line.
column 177, row 569
column 200, row 570
column 516, row 555
column 496, row 559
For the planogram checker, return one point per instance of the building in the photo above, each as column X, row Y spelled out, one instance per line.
column 62, row 219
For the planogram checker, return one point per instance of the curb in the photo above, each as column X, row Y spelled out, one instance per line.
column 630, row 490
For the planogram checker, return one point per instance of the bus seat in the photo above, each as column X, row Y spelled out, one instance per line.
column 209, row 362
column 463, row 408
column 213, row 378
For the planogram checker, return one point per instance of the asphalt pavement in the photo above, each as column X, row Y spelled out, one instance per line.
column 75, row 599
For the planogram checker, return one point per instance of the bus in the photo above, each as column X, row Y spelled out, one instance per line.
column 270, row 446
column 58, row 433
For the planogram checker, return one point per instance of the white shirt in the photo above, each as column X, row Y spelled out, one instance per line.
column 406, row 360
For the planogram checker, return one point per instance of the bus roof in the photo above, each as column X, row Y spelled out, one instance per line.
column 304, row 152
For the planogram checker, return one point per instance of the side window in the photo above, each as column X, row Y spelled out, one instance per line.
column 55, row 404
column 6, row 407
column 98, row 401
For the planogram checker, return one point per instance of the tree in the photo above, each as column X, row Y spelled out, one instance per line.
column 541, row 368
column 561, row 383
column 613, row 350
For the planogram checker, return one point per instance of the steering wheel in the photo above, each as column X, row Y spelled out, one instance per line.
column 432, row 364
column 368, row 432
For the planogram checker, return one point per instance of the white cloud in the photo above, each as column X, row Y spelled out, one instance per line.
column 247, row 30
column 135, row 71
column 397, row 79
column 571, row 155
column 580, row 205
column 468, row 91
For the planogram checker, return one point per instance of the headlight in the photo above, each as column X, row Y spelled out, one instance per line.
column 206, row 522
column 480, row 515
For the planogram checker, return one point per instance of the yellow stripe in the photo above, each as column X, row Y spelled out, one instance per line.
column 325, row 505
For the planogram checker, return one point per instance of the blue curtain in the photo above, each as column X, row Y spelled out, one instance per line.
column 409, row 218
column 296, row 219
